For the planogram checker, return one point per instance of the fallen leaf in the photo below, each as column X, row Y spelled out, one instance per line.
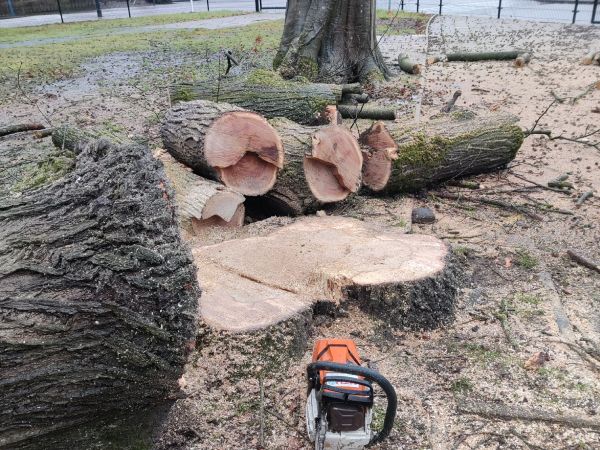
column 536, row 361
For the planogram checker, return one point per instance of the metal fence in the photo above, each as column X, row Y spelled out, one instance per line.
column 573, row 11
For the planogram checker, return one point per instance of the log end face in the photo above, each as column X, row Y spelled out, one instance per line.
column 381, row 150
column 246, row 151
column 334, row 168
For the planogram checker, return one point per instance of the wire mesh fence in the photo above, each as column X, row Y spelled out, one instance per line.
column 571, row 11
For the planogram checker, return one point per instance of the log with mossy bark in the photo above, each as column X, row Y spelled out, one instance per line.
column 408, row 66
column 322, row 165
column 485, row 56
column 201, row 203
column 266, row 93
column 98, row 291
column 408, row 157
column 226, row 143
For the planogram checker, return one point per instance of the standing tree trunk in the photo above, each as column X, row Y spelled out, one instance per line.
column 332, row 41
column 98, row 292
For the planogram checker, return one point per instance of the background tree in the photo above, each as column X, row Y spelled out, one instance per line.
column 331, row 40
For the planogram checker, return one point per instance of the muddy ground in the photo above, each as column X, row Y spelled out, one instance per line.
column 527, row 327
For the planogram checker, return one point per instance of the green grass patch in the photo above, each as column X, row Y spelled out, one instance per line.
column 49, row 62
column 101, row 27
column 400, row 22
column 525, row 259
column 528, row 299
column 461, row 386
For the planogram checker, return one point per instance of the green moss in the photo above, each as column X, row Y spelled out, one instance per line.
column 183, row 94
column 263, row 77
column 525, row 259
column 308, row 68
column 46, row 171
column 461, row 385
column 528, row 299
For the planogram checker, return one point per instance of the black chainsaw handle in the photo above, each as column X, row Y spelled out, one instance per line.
column 371, row 375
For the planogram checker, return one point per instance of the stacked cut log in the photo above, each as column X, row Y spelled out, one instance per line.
column 225, row 143
column 409, row 157
column 322, row 164
column 201, row 202
column 268, row 94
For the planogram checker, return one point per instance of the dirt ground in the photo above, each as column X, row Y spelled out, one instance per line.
column 527, row 327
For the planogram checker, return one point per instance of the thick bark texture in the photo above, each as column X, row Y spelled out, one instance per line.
column 445, row 147
column 97, row 293
column 331, row 41
column 322, row 165
column 201, row 202
column 225, row 143
column 266, row 93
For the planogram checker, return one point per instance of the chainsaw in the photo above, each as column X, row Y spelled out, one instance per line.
column 339, row 407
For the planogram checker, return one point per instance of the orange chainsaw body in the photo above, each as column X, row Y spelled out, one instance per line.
column 342, row 351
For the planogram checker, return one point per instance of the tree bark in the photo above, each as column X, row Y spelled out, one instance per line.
column 268, row 94
column 10, row 129
column 97, row 291
column 408, row 66
column 367, row 111
column 331, row 40
column 201, row 202
column 225, row 143
column 447, row 146
column 322, row 165
column 483, row 56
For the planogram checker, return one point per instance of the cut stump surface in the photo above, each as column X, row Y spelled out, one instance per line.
column 257, row 282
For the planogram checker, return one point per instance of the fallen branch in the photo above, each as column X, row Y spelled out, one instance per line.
column 483, row 56
column 583, row 261
column 373, row 112
column 488, row 201
column 562, row 191
column 11, row 129
column 516, row 412
column 450, row 105
column 584, row 197
column 408, row 66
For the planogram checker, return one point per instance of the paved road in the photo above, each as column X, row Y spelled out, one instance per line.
column 516, row 9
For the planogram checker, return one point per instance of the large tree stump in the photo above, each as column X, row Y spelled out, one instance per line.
column 322, row 165
column 331, row 40
column 266, row 93
column 97, row 291
column 408, row 157
column 407, row 280
column 225, row 143
column 201, row 202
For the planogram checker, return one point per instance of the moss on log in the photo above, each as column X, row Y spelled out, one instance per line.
column 97, row 293
column 450, row 146
column 266, row 93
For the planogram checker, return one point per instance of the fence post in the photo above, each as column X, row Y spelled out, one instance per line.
column 207, row 6
column 60, row 12
column 98, row 9
column 128, row 9
column 441, row 3
column 389, row 5
column 417, row 5
column 402, row 4
column 257, row 5
column 499, row 8
column 11, row 9
column 575, row 10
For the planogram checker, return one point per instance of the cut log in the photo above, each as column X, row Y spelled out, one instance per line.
column 448, row 146
column 522, row 60
column 97, row 293
column 225, row 143
column 268, row 94
column 17, row 128
column 379, row 150
column 408, row 66
column 406, row 280
column 201, row 202
column 322, row 165
column 591, row 58
column 484, row 56
column 367, row 111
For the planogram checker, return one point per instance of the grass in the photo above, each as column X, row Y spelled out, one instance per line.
column 100, row 27
column 525, row 259
column 461, row 386
column 400, row 22
column 50, row 62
